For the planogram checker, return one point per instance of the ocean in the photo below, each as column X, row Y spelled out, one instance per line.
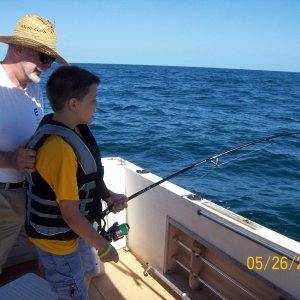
column 166, row 118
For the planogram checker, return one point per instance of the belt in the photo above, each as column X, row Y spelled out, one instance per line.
column 9, row 186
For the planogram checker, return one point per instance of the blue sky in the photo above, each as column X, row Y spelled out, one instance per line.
column 240, row 34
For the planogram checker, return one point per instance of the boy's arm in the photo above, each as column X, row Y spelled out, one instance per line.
column 81, row 226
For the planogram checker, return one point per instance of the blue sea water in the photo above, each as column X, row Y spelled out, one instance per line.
column 167, row 118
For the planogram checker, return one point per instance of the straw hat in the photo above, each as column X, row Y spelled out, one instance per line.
column 37, row 33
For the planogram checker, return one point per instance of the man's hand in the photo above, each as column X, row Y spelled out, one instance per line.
column 119, row 201
column 23, row 159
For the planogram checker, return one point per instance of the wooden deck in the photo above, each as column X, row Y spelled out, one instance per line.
column 126, row 280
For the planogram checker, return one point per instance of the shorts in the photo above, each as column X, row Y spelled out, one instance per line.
column 12, row 215
column 87, row 258
column 66, row 273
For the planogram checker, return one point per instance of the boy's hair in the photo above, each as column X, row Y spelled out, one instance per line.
column 68, row 82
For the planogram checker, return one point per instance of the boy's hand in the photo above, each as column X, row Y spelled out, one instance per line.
column 111, row 256
column 119, row 201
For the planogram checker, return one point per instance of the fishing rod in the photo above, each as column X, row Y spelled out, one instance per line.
column 116, row 231
column 213, row 159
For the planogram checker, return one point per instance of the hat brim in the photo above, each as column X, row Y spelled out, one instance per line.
column 34, row 45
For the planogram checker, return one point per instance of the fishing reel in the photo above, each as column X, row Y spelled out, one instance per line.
column 116, row 232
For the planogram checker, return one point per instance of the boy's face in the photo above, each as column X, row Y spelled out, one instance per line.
column 86, row 107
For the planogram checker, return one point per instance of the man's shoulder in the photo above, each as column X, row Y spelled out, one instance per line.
column 4, row 80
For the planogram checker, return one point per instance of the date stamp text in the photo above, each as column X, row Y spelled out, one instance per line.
column 275, row 263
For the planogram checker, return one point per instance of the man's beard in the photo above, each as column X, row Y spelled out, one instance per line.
column 31, row 74
column 34, row 78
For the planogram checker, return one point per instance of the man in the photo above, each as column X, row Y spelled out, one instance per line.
column 31, row 51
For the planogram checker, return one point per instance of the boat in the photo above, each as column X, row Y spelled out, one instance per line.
column 179, row 246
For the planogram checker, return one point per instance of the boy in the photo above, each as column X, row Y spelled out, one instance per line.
column 63, row 194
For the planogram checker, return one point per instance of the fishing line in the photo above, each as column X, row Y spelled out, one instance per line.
column 218, row 165
column 213, row 159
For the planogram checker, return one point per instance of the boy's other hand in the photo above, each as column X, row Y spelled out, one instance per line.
column 119, row 201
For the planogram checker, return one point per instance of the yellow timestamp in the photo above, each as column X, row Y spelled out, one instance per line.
column 275, row 263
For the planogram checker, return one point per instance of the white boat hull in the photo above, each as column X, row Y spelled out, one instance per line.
column 171, row 232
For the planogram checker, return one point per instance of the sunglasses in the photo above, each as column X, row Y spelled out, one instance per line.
column 45, row 58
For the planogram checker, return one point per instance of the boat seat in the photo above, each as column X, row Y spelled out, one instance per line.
column 28, row 287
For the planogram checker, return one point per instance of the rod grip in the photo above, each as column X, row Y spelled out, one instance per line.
column 107, row 211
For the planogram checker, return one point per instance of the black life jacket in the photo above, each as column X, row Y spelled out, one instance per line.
column 43, row 215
